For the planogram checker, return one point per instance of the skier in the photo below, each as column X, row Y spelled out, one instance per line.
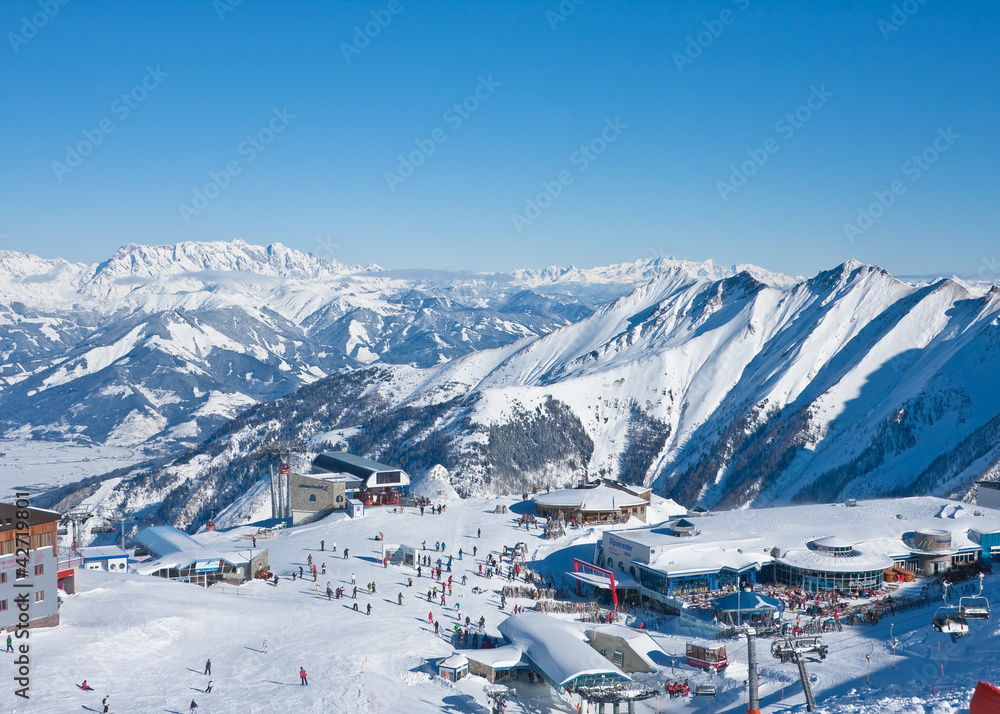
column 324, row 568
column 355, row 593
column 437, row 627
column 329, row 593
column 86, row 687
column 317, row 589
column 334, row 547
column 400, row 598
column 430, row 617
column 194, row 705
column 474, row 549
column 208, row 667
column 309, row 560
column 264, row 648
column 303, row 675
column 208, row 689
column 322, row 545
column 300, row 571
column 479, row 533
column 369, row 608
column 347, row 553
column 353, row 581
column 10, row 644
column 105, row 703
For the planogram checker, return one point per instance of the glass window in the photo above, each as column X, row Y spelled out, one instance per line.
column 39, row 569
column 39, row 596
column 3, row 605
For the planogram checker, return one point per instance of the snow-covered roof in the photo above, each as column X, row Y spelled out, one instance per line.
column 855, row 561
column 343, row 461
column 698, row 557
column 602, row 498
column 505, row 657
column 556, row 648
column 455, row 661
column 165, row 540
column 876, row 529
column 833, row 542
column 640, row 642
column 175, row 549
column 102, row 552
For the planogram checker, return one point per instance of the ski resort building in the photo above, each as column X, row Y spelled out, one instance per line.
column 628, row 649
column 601, row 504
column 109, row 558
column 815, row 547
column 28, row 567
column 375, row 477
column 558, row 652
column 178, row 556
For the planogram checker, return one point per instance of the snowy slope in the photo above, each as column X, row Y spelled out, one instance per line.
column 720, row 392
column 143, row 641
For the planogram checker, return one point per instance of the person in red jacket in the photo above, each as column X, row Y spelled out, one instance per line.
column 303, row 675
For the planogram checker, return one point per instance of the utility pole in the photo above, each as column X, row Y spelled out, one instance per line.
column 754, row 704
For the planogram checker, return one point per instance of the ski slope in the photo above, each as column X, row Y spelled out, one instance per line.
column 143, row 641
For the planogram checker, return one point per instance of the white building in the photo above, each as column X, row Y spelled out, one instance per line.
column 816, row 547
column 109, row 558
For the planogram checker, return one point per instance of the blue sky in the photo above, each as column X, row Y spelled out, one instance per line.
column 602, row 131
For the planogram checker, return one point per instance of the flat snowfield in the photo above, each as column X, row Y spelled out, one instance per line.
column 143, row 641
column 43, row 465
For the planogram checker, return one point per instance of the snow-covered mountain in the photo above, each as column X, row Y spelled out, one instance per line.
column 722, row 392
column 159, row 345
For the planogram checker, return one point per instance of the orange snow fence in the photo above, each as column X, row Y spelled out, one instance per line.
column 986, row 700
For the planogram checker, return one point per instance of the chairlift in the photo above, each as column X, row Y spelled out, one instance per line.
column 975, row 607
column 793, row 648
column 949, row 621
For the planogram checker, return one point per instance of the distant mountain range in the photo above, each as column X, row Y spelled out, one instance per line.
column 720, row 387
column 159, row 345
